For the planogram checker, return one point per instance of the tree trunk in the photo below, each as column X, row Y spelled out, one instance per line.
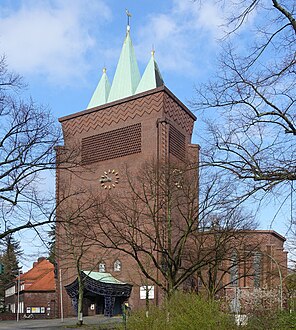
column 80, row 300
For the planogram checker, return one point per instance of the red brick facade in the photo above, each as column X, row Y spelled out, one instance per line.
column 254, row 260
column 114, row 137
column 121, row 135
column 35, row 292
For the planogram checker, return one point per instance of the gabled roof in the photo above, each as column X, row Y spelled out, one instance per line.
column 43, row 283
column 39, row 268
column 40, row 277
column 127, row 75
column 101, row 93
column 151, row 77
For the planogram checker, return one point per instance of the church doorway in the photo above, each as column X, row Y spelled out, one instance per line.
column 103, row 294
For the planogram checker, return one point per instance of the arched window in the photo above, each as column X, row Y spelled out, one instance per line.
column 117, row 266
column 102, row 267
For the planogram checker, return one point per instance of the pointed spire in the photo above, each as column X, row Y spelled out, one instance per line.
column 127, row 79
column 101, row 93
column 151, row 77
column 127, row 74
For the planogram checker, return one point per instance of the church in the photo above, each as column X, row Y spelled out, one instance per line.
column 134, row 120
column 127, row 196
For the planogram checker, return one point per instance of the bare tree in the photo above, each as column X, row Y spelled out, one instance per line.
column 230, row 264
column 72, row 248
column 159, row 220
column 252, row 135
column 28, row 135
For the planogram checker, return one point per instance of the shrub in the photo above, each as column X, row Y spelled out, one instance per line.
column 183, row 311
column 282, row 320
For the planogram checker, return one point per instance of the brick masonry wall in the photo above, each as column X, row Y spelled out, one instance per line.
column 40, row 299
column 7, row 316
column 119, row 136
column 47, row 300
column 113, row 144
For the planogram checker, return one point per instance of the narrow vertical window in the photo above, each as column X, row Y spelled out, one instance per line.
column 257, row 269
column 117, row 266
column 234, row 269
column 102, row 267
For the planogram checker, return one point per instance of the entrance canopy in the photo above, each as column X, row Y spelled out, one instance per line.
column 102, row 284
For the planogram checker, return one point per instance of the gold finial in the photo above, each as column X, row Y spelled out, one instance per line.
column 152, row 51
column 128, row 14
column 104, row 70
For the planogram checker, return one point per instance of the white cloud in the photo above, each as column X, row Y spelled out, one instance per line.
column 211, row 9
column 211, row 19
column 182, row 36
column 51, row 38
column 60, row 39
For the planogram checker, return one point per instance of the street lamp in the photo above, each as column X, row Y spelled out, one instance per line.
column 18, row 294
column 61, row 297
column 281, row 279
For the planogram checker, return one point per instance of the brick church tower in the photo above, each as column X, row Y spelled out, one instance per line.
column 130, row 121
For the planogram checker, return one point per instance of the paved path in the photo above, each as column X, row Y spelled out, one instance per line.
column 52, row 324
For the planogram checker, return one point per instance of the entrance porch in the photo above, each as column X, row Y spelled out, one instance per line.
column 103, row 293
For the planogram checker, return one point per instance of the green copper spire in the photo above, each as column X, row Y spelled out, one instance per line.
column 127, row 75
column 100, row 95
column 127, row 79
column 151, row 77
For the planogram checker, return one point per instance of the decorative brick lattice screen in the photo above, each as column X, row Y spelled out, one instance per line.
column 176, row 143
column 117, row 143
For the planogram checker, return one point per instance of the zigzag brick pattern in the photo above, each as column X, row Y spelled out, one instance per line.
column 177, row 114
column 115, row 114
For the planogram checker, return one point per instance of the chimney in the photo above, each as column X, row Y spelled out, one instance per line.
column 38, row 260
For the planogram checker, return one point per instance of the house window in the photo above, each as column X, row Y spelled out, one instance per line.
column 10, row 291
column 102, row 267
column 147, row 291
column 13, row 308
column 21, row 307
column 117, row 266
column 234, row 269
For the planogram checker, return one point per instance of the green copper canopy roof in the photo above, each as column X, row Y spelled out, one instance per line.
column 151, row 77
column 127, row 75
column 101, row 93
column 102, row 277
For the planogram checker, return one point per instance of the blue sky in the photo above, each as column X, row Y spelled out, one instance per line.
column 61, row 46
